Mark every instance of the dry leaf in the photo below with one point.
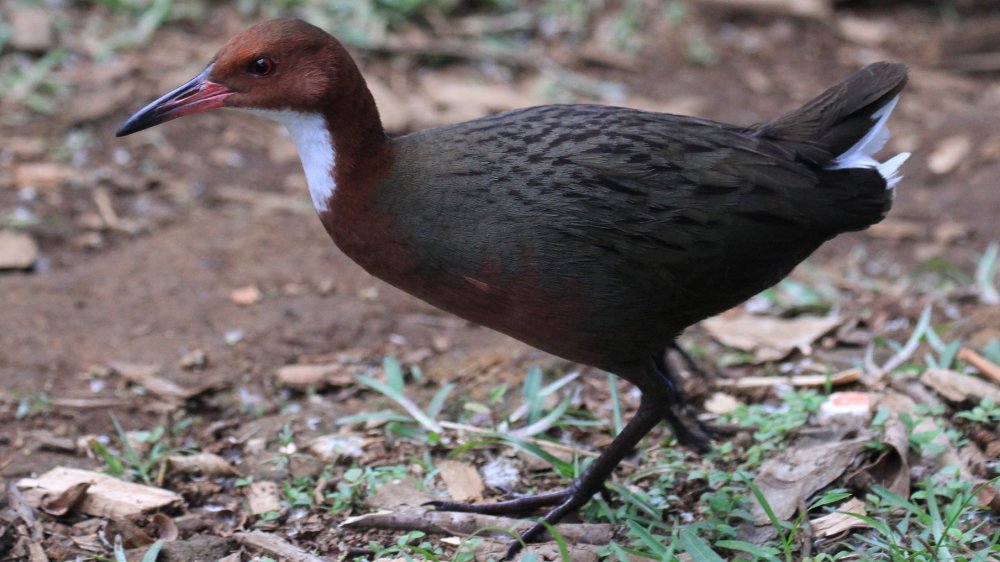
(333, 447)
(67, 501)
(148, 377)
(959, 387)
(163, 527)
(398, 493)
(835, 523)
(106, 497)
(303, 377)
(462, 480)
(788, 480)
(770, 339)
(263, 496)
(207, 464)
(891, 469)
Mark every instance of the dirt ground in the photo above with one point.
(142, 240)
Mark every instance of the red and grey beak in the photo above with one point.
(199, 94)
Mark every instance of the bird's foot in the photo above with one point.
(688, 429)
(565, 502)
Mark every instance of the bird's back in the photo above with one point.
(599, 233)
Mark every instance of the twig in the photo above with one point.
(455, 523)
(836, 379)
(815, 9)
(276, 546)
(982, 364)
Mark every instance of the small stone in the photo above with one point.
(245, 296)
(17, 250)
(42, 175)
(949, 154)
(194, 359)
(846, 405)
(721, 403)
(31, 29)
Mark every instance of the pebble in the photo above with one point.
(948, 154)
(17, 250)
(31, 29)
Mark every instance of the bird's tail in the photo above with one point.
(842, 128)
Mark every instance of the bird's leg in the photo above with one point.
(582, 488)
(688, 429)
(689, 360)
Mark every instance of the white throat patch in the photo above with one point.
(311, 135)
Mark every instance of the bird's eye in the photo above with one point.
(261, 67)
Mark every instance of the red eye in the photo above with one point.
(261, 67)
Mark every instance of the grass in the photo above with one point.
(674, 504)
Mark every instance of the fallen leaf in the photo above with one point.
(462, 480)
(398, 493)
(770, 339)
(106, 497)
(66, 501)
(959, 387)
(835, 523)
(303, 377)
(163, 527)
(788, 480)
(334, 447)
(263, 496)
(148, 377)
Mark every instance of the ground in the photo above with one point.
(190, 254)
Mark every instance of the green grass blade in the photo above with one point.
(403, 401)
(654, 544)
(437, 403)
(393, 374)
(697, 547)
(758, 552)
(153, 552)
(616, 405)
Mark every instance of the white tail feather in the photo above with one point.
(861, 155)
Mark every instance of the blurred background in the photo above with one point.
(192, 249)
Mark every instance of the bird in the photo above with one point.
(594, 233)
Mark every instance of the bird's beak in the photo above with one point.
(198, 94)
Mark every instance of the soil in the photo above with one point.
(210, 204)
